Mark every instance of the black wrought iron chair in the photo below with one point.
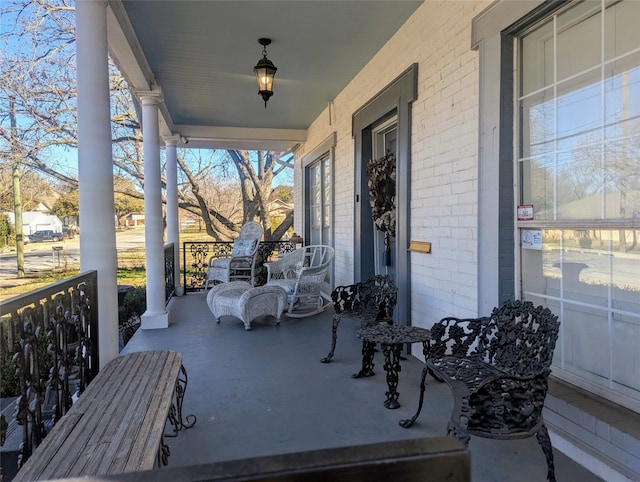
(497, 368)
(371, 301)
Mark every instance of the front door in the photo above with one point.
(384, 138)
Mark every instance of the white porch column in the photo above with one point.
(173, 223)
(95, 170)
(156, 315)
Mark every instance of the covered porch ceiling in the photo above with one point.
(200, 56)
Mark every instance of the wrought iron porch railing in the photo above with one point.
(169, 271)
(195, 259)
(51, 335)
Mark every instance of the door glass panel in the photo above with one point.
(319, 201)
(538, 71)
(384, 140)
(622, 34)
(579, 116)
(537, 115)
(578, 35)
(538, 185)
(326, 202)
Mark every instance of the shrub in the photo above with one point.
(135, 304)
(585, 242)
(6, 231)
(10, 386)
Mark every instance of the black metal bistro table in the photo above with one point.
(391, 338)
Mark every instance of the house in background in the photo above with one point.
(279, 210)
(33, 221)
(134, 219)
(41, 207)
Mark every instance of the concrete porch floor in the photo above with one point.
(265, 392)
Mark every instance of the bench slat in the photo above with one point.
(121, 424)
(116, 425)
(56, 444)
(145, 448)
(67, 424)
(116, 387)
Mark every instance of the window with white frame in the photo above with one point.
(319, 201)
(578, 166)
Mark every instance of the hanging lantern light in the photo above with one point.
(265, 72)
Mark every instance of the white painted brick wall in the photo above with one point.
(444, 149)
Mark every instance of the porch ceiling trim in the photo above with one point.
(127, 54)
(219, 137)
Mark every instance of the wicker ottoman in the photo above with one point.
(240, 299)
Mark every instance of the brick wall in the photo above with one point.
(444, 149)
(444, 208)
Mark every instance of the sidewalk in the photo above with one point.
(13, 281)
(38, 261)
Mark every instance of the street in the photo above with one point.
(599, 268)
(41, 256)
(50, 256)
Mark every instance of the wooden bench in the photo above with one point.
(118, 423)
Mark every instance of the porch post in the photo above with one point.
(95, 170)
(156, 315)
(173, 223)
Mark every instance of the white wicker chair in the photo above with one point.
(302, 275)
(241, 265)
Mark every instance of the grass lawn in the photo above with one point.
(131, 269)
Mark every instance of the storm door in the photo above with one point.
(381, 172)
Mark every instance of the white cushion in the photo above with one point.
(288, 285)
(221, 263)
(243, 247)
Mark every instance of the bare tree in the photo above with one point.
(40, 75)
(34, 188)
